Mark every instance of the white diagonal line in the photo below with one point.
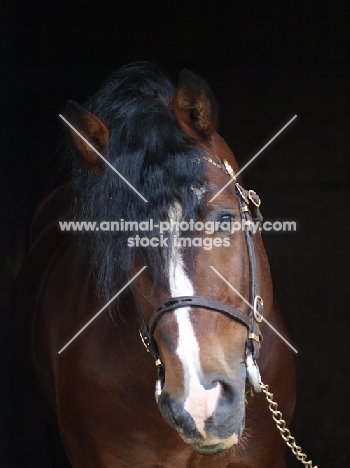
(255, 156)
(104, 159)
(252, 307)
(103, 308)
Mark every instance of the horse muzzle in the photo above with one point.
(210, 420)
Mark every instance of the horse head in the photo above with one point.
(200, 346)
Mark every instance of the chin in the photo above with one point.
(210, 449)
(214, 447)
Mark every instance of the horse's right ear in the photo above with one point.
(92, 129)
(194, 106)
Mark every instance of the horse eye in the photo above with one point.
(226, 218)
(226, 222)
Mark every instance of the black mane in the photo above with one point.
(150, 150)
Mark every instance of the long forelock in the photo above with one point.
(154, 155)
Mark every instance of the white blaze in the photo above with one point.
(200, 403)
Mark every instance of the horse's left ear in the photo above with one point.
(92, 129)
(194, 106)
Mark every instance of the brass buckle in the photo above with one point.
(253, 336)
(251, 194)
(258, 317)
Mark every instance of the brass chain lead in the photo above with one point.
(285, 432)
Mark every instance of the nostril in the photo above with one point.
(228, 404)
(228, 394)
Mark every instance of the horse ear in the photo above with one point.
(92, 129)
(194, 105)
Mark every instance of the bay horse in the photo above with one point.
(205, 340)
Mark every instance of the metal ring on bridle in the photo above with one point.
(251, 194)
(257, 315)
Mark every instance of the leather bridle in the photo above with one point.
(249, 203)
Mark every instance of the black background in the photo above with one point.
(264, 63)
